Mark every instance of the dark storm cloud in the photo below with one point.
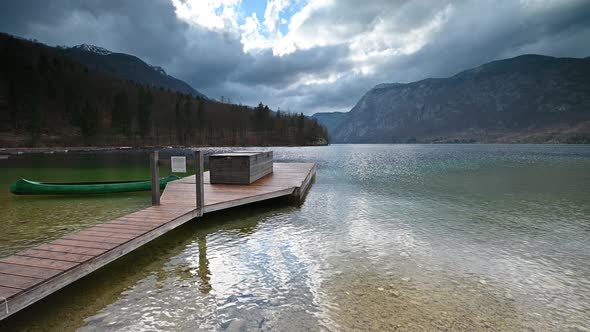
(208, 59)
(148, 31)
(480, 34)
(274, 71)
(468, 34)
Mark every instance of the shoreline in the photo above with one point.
(51, 150)
(7, 152)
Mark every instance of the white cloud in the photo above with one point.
(211, 14)
(272, 13)
(251, 37)
(225, 16)
(311, 79)
(256, 36)
(297, 38)
(371, 48)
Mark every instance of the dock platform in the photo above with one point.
(30, 275)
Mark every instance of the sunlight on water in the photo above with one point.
(407, 237)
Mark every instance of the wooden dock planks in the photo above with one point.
(35, 273)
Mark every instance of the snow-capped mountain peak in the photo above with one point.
(93, 49)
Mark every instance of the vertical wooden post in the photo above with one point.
(199, 182)
(155, 173)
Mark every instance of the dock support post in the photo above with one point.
(155, 173)
(199, 182)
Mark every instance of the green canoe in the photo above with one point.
(24, 187)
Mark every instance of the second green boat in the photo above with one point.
(28, 187)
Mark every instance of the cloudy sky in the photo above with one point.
(307, 55)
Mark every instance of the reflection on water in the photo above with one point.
(391, 237)
(204, 272)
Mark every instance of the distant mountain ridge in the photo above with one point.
(529, 98)
(126, 67)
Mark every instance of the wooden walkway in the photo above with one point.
(35, 273)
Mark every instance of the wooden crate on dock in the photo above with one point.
(239, 167)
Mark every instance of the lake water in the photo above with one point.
(406, 237)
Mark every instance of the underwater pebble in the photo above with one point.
(236, 325)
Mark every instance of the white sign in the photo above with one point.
(178, 164)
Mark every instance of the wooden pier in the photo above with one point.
(35, 273)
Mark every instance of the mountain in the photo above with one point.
(529, 98)
(49, 99)
(126, 67)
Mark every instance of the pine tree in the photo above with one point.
(179, 119)
(144, 111)
(88, 121)
(120, 115)
(188, 127)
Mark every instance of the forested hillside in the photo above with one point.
(47, 99)
(126, 67)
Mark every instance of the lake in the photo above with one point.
(406, 237)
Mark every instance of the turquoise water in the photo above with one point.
(407, 237)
